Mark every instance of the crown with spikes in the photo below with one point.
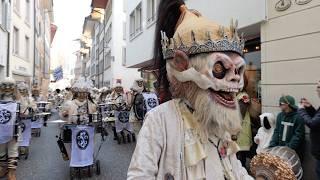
(195, 34)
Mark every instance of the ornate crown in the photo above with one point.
(196, 34)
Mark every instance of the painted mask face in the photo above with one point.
(7, 88)
(221, 74)
(82, 96)
(140, 83)
(23, 92)
(119, 90)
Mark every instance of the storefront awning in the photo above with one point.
(99, 3)
(146, 66)
(53, 29)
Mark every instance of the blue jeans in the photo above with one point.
(318, 169)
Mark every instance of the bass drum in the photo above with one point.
(277, 163)
(139, 108)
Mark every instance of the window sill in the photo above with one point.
(16, 11)
(135, 35)
(20, 57)
(27, 23)
(151, 23)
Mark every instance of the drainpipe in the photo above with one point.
(34, 41)
(8, 49)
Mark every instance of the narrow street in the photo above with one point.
(45, 161)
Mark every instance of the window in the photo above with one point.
(139, 19)
(27, 11)
(136, 21)
(2, 11)
(15, 47)
(16, 4)
(109, 33)
(151, 14)
(124, 53)
(27, 49)
(107, 58)
(132, 24)
(124, 31)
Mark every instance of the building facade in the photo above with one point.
(106, 61)
(42, 39)
(5, 18)
(21, 41)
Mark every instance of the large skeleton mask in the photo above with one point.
(219, 73)
(205, 66)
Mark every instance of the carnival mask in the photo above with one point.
(7, 87)
(82, 96)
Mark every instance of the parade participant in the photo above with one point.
(104, 92)
(190, 136)
(311, 117)
(289, 129)
(245, 137)
(36, 94)
(9, 149)
(82, 104)
(265, 132)
(27, 107)
(136, 89)
(123, 131)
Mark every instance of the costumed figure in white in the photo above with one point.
(265, 132)
(8, 145)
(27, 109)
(78, 110)
(193, 135)
(140, 102)
(38, 120)
(123, 131)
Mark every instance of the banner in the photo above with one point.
(58, 73)
(26, 132)
(151, 100)
(7, 121)
(122, 121)
(82, 146)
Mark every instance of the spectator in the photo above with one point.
(265, 132)
(311, 117)
(289, 129)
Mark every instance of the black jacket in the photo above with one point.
(311, 118)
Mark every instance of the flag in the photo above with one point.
(58, 73)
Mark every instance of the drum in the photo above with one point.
(144, 102)
(278, 163)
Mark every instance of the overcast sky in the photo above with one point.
(69, 17)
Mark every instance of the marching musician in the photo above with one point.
(82, 103)
(27, 106)
(8, 150)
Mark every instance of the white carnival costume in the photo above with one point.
(265, 132)
(191, 137)
(8, 141)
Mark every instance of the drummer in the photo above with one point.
(82, 104)
(104, 92)
(27, 107)
(8, 147)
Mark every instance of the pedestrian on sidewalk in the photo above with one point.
(289, 129)
(311, 117)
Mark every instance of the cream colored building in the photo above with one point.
(290, 58)
(290, 49)
(21, 40)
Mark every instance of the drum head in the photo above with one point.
(277, 163)
(139, 106)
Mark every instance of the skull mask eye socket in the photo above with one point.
(219, 71)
